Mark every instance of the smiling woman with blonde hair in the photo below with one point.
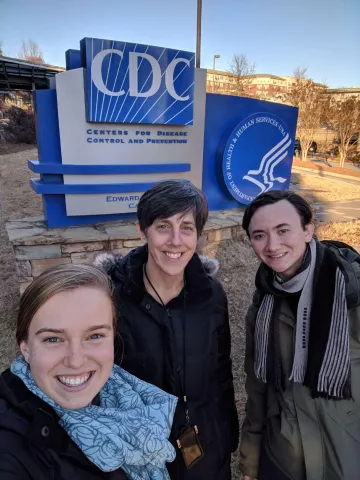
(66, 411)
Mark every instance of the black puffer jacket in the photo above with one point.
(153, 351)
(33, 446)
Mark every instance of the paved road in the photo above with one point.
(338, 211)
(333, 163)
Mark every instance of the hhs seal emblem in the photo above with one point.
(258, 157)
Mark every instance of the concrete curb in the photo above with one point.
(326, 174)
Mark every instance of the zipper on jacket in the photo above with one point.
(177, 366)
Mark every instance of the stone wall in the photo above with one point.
(37, 248)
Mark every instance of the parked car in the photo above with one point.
(353, 140)
(354, 158)
(297, 147)
(313, 147)
(353, 144)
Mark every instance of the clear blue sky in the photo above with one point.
(278, 35)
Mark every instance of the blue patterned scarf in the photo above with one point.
(130, 429)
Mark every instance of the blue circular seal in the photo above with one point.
(258, 157)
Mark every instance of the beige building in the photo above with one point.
(341, 93)
(261, 85)
(272, 88)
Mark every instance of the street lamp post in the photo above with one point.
(198, 33)
(215, 57)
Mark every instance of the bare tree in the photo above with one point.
(31, 52)
(313, 105)
(345, 121)
(242, 70)
(1, 49)
(300, 72)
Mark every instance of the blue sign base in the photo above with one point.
(226, 119)
(223, 114)
(51, 184)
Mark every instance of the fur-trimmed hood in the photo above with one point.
(107, 261)
(127, 274)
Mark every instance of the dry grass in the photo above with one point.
(17, 200)
(348, 232)
(238, 263)
(321, 189)
(237, 273)
(8, 148)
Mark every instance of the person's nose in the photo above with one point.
(272, 243)
(175, 239)
(75, 356)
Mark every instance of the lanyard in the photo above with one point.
(181, 378)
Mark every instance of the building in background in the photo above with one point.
(341, 93)
(261, 85)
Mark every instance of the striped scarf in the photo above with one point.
(332, 361)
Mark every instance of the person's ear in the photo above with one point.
(24, 349)
(309, 232)
(141, 233)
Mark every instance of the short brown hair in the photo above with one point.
(170, 197)
(55, 280)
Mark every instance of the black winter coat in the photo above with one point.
(153, 350)
(33, 446)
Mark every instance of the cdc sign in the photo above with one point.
(132, 83)
(124, 116)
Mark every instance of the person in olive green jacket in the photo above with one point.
(302, 349)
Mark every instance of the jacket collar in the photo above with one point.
(32, 418)
(129, 272)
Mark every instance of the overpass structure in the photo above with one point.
(17, 74)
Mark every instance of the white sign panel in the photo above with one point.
(84, 143)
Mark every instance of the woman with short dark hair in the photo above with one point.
(173, 318)
(66, 412)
